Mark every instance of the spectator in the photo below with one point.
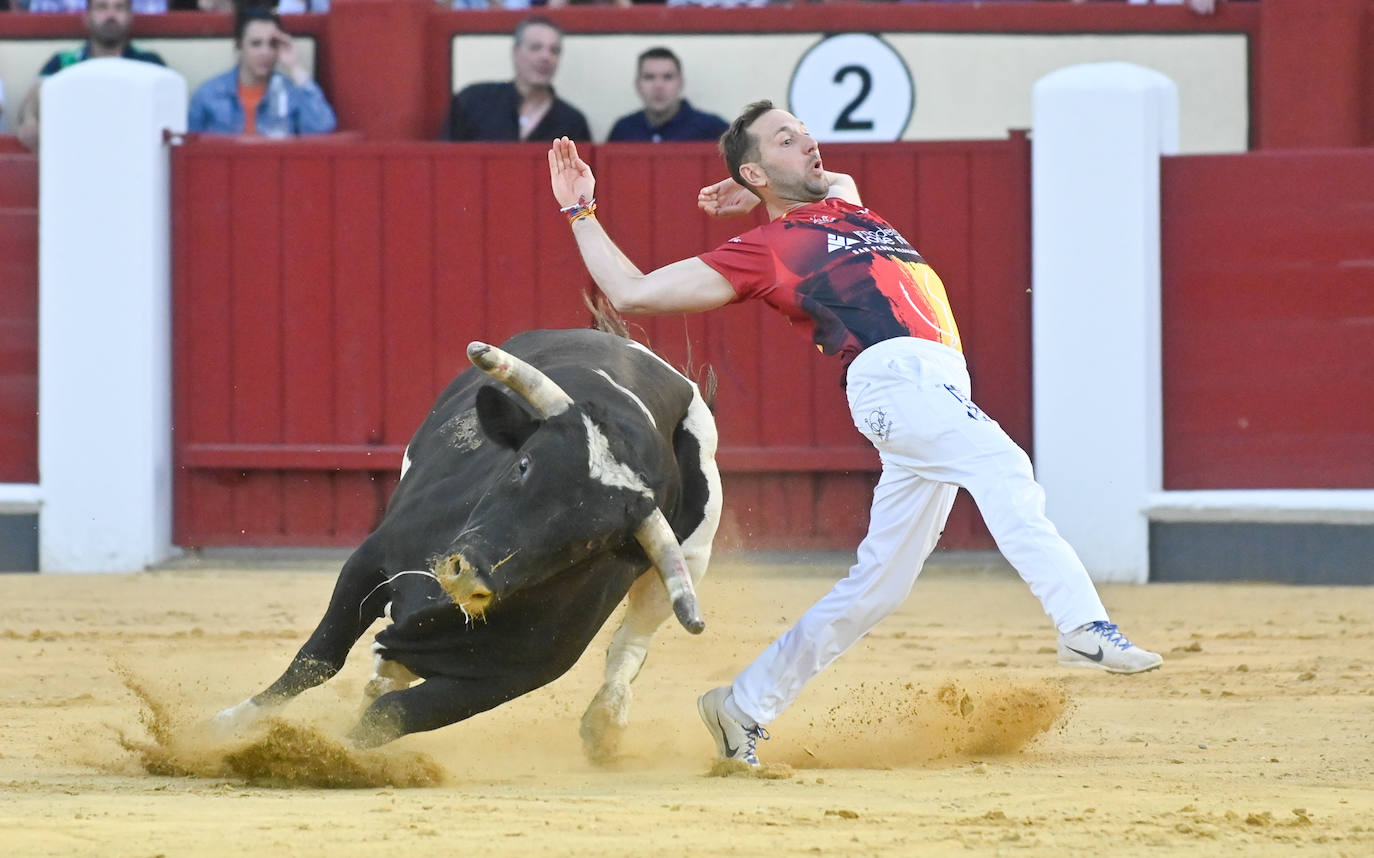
(269, 92)
(139, 7)
(1201, 7)
(525, 108)
(293, 7)
(108, 25)
(666, 116)
(484, 4)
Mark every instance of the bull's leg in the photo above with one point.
(358, 600)
(387, 676)
(436, 702)
(608, 714)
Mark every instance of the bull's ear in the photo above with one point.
(502, 419)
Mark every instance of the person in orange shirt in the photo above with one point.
(269, 93)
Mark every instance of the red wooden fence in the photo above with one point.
(18, 316)
(324, 293)
(1269, 320)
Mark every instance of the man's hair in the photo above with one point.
(535, 20)
(738, 145)
(659, 53)
(250, 12)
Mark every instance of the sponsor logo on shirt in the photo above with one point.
(838, 242)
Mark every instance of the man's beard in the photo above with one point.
(110, 35)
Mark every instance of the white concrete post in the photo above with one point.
(104, 333)
(1099, 131)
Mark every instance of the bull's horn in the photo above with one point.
(657, 538)
(538, 389)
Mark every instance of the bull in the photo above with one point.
(526, 512)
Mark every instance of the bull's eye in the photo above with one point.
(523, 465)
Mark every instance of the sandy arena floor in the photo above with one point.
(949, 731)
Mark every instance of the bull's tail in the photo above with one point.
(605, 317)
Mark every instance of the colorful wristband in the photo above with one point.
(580, 209)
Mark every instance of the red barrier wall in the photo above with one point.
(324, 293)
(18, 317)
(1268, 315)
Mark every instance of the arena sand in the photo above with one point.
(950, 730)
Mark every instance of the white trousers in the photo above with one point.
(910, 397)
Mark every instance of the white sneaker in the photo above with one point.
(734, 741)
(1101, 645)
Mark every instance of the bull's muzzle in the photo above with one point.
(464, 586)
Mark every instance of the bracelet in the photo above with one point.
(580, 209)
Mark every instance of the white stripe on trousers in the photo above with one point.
(910, 397)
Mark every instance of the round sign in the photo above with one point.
(852, 88)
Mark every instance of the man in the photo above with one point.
(108, 24)
(525, 108)
(832, 265)
(140, 7)
(254, 97)
(666, 116)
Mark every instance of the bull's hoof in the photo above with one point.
(236, 718)
(604, 724)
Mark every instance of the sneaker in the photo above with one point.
(1101, 645)
(734, 741)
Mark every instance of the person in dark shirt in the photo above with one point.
(108, 25)
(525, 108)
(667, 116)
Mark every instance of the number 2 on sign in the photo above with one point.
(846, 121)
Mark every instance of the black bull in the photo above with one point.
(519, 524)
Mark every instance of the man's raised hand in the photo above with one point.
(726, 198)
(571, 178)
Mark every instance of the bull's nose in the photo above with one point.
(464, 585)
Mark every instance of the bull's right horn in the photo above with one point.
(656, 537)
(537, 388)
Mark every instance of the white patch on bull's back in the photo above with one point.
(630, 393)
(650, 352)
(405, 461)
(604, 467)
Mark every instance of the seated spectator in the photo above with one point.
(666, 116)
(269, 92)
(525, 108)
(139, 7)
(486, 4)
(296, 7)
(1201, 7)
(108, 25)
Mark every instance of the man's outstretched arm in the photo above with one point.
(687, 286)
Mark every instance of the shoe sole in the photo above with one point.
(1093, 665)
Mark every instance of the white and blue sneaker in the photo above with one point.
(1101, 645)
(734, 741)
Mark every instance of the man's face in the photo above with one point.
(258, 50)
(659, 85)
(789, 156)
(535, 56)
(108, 22)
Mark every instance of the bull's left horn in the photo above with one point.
(656, 536)
(538, 389)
